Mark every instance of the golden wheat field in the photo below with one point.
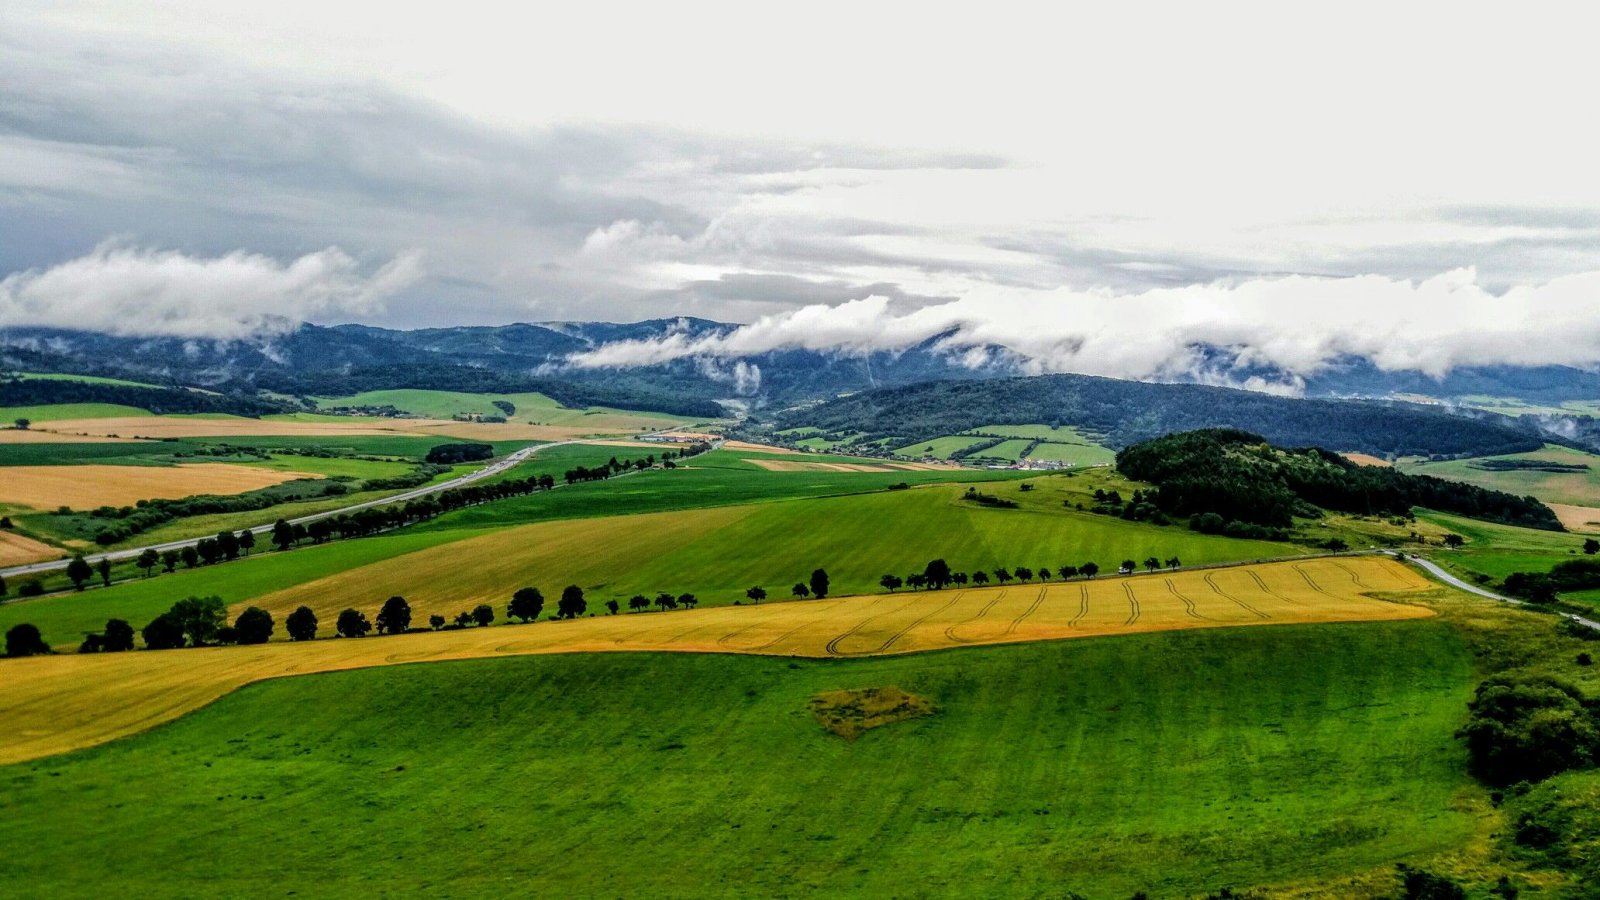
(32, 436)
(59, 703)
(90, 486)
(17, 550)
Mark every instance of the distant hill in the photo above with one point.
(1125, 412)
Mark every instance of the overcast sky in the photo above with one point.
(1097, 190)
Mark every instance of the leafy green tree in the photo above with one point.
(916, 581)
(1044, 574)
(483, 614)
(282, 534)
(1591, 546)
(254, 626)
(1127, 566)
(148, 560)
(1527, 728)
(937, 573)
(103, 568)
(1022, 573)
(301, 624)
(688, 601)
(228, 544)
(24, 640)
(800, 590)
(980, 577)
(22, 423)
(463, 619)
(819, 583)
(1089, 570)
(638, 602)
(756, 594)
(1152, 563)
(395, 617)
(79, 572)
(1174, 562)
(190, 556)
(890, 582)
(169, 560)
(2, 587)
(526, 604)
(1453, 541)
(665, 602)
(352, 623)
(436, 621)
(200, 618)
(164, 632)
(572, 604)
(612, 606)
(1002, 576)
(247, 541)
(118, 637)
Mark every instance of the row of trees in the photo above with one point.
(937, 574)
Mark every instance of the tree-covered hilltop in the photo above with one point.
(160, 400)
(1126, 412)
(1239, 476)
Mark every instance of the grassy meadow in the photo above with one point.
(1174, 763)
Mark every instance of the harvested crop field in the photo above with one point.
(1577, 518)
(90, 486)
(17, 550)
(1367, 459)
(189, 426)
(60, 703)
(32, 436)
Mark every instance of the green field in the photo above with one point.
(87, 379)
(533, 408)
(1170, 763)
(132, 453)
(58, 411)
(1576, 488)
(1064, 434)
(939, 447)
(1011, 450)
(1074, 454)
(327, 466)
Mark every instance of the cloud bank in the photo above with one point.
(131, 291)
(1296, 325)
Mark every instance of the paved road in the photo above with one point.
(1439, 573)
(493, 468)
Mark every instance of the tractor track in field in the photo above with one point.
(1353, 576)
(725, 639)
(915, 622)
(1210, 579)
(950, 632)
(832, 647)
(1269, 591)
(1301, 571)
(1189, 608)
(1012, 628)
(1083, 606)
(1133, 603)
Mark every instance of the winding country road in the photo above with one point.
(1437, 572)
(494, 468)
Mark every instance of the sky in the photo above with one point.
(1098, 188)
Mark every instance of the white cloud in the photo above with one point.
(1296, 324)
(128, 290)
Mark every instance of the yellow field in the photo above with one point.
(1367, 459)
(16, 550)
(802, 465)
(185, 427)
(39, 436)
(55, 704)
(1577, 518)
(90, 486)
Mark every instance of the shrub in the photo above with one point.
(1528, 728)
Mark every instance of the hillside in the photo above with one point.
(1125, 412)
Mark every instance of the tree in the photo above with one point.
(483, 614)
(980, 577)
(228, 544)
(1067, 572)
(301, 624)
(1044, 574)
(436, 621)
(572, 604)
(819, 583)
(1002, 576)
(200, 618)
(937, 573)
(191, 556)
(638, 602)
(463, 619)
(169, 560)
(282, 534)
(163, 633)
(25, 640)
(1528, 727)
(1151, 563)
(916, 581)
(800, 590)
(1174, 562)
(2, 588)
(526, 604)
(247, 541)
(254, 626)
(959, 577)
(1089, 570)
(1336, 545)
(890, 582)
(756, 594)
(118, 637)
(148, 560)
(22, 423)
(612, 606)
(666, 601)
(1127, 566)
(352, 623)
(78, 570)
(688, 601)
(1023, 573)
(103, 567)
(1591, 546)
(395, 617)
(1453, 541)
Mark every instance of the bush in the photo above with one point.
(1528, 728)
(450, 454)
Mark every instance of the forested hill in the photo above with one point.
(1126, 412)
(1234, 476)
